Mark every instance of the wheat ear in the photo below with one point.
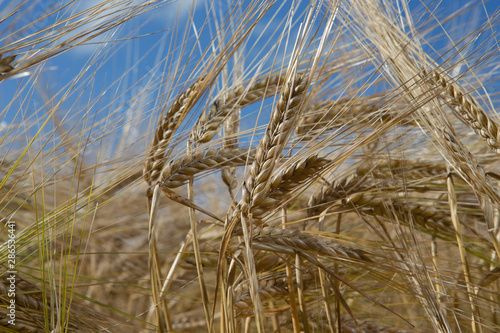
(323, 114)
(467, 109)
(280, 127)
(241, 96)
(410, 170)
(287, 180)
(468, 166)
(291, 241)
(178, 172)
(270, 287)
(166, 129)
(355, 192)
(283, 120)
(259, 182)
(374, 204)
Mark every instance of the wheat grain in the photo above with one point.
(27, 295)
(5, 63)
(282, 122)
(166, 129)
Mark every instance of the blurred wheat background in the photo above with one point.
(250, 166)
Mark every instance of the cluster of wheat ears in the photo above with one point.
(304, 166)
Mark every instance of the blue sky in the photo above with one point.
(130, 61)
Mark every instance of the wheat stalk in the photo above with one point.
(231, 130)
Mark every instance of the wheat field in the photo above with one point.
(250, 166)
